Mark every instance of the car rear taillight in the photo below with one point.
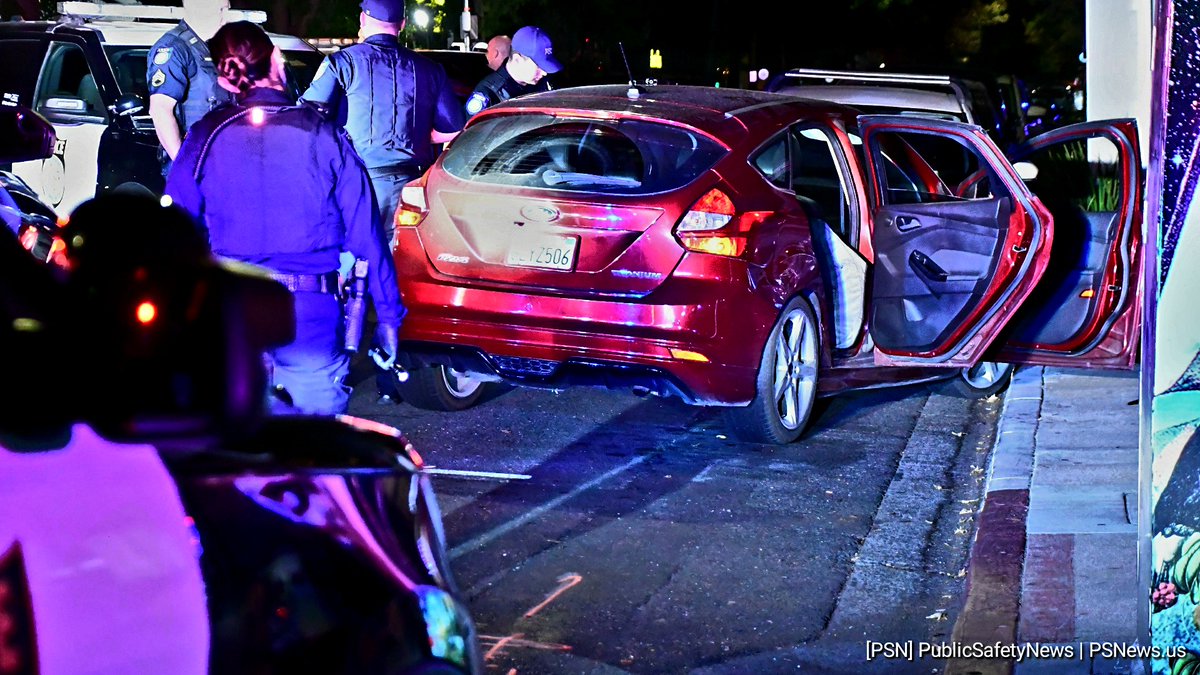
(712, 226)
(413, 206)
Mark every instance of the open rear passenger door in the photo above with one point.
(1086, 311)
(960, 242)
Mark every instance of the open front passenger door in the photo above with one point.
(960, 242)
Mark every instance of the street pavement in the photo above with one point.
(1055, 557)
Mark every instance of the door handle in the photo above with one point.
(906, 223)
(926, 267)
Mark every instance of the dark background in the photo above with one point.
(711, 41)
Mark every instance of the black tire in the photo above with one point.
(441, 388)
(983, 379)
(779, 414)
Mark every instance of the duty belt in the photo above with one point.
(309, 283)
(411, 169)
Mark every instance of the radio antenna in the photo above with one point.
(633, 91)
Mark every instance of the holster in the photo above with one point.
(355, 306)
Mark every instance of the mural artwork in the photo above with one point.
(1175, 494)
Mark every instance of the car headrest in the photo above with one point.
(171, 341)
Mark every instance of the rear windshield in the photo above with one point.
(561, 153)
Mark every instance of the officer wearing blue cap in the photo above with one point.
(396, 104)
(524, 72)
(180, 75)
(278, 185)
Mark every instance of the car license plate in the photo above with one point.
(538, 249)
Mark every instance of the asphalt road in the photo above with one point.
(644, 540)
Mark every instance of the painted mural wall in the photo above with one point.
(1175, 362)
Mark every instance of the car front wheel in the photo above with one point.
(441, 388)
(787, 380)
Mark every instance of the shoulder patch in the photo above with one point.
(159, 79)
(162, 55)
(321, 69)
(477, 102)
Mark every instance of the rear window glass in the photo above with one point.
(604, 156)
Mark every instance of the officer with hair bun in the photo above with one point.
(276, 184)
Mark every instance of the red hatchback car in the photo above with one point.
(754, 251)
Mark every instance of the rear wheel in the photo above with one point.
(441, 388)
(984, 379)
(787, 380)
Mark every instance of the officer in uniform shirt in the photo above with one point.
(180, 75)
(531, 60)
(392, 100)
(276, 184)
(396, 104)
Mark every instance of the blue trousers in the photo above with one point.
(312, 369)
(387, 198)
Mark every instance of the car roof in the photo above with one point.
(723, 112)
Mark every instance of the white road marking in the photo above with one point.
(497, 532)
(463, 473)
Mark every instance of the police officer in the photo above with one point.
(278, 185)
(523, 72)
(498, 50)
(392, 99)
(180, 75)
(395, 104)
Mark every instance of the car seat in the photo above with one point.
(90, 93)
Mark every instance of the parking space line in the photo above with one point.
(497, 532)
(463, 473)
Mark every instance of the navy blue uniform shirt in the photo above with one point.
(179, 66)
(500, 86)
(278, 185)
(391, 99)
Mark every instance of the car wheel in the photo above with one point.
(983, 379)
(441, 388)
(787, 380)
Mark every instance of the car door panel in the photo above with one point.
(1087, 310)
(950, 271)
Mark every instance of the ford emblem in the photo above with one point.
(539, 214)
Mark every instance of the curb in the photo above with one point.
(993, 603)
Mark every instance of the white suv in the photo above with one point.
(86, 73)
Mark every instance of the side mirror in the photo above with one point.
(24, 135)
(128, 104)
(1026, 170)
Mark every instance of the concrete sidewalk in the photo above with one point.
(1055, 557)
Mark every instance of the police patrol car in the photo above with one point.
(86, 73)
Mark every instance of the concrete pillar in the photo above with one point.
(1120, 59)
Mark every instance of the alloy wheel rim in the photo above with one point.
(459, 384)
(985, 373)
(795, 369)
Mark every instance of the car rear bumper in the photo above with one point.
(706, 352)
